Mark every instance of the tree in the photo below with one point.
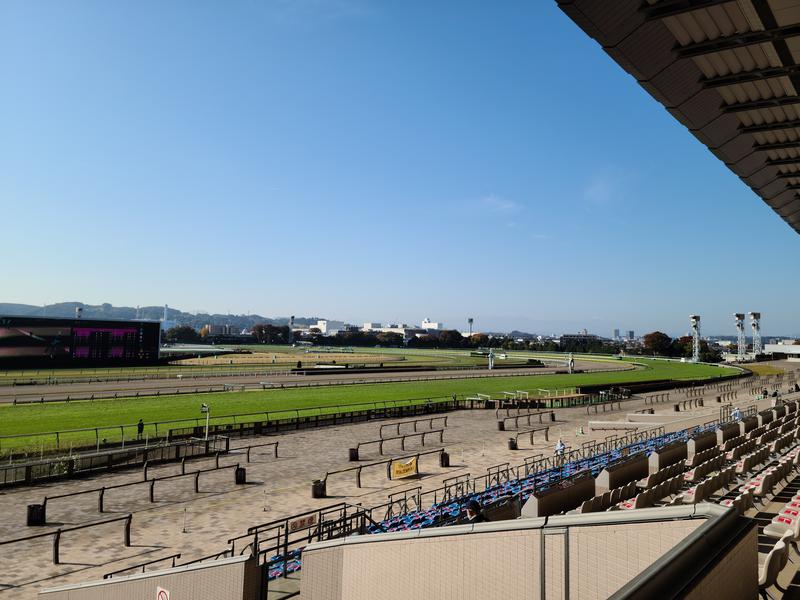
(389, 338)
(658, 343)
(450, 338)
(683, 346)
(265, 333)
(184, 334)
(478, 339)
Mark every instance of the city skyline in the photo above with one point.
(458, 323)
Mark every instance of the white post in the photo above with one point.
(208, 413)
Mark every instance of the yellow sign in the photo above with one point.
(404, 469)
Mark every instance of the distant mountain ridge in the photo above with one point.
(150, 313)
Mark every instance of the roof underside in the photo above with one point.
(729, 70)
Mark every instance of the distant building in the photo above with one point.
(327, 327)
(371, 326)
(784, 347)
(219, 330)
(631, 336)
(578, 338)
(616, 334)
(427, 324)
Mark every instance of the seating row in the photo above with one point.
(750, 461)
(709, 486)
(765, 480)
(702, 457)
(700, 471)
(652, 495)
(736, 452)
(729, 445)
(661, 475)
(608, 499)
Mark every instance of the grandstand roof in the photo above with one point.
(729, 70)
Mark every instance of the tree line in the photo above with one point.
(658, 343)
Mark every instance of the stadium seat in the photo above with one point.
(768, 574)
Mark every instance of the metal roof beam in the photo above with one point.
(766, 127)
(777, 162)
(671, 8)
(778, 146)
(749, 76)
(759, 104)
(738, 40)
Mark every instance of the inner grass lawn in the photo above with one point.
(35, 418)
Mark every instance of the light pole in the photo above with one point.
(205, 408)
(469, 322)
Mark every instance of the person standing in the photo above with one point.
(139, 429)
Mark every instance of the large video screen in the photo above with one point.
(65, 342)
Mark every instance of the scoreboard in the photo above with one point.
(39, 342)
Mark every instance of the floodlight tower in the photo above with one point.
(741, 341)
(470, 321)
(694, 321)
(291, 329)
(755, 322)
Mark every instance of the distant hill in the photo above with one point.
(152, 313)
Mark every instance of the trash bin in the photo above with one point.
(512, 444)
(240, 475)
(501, 426)
(36, 515)
(318, 488)
(444, 459)
(353, 454)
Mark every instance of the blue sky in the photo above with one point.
(365, 160)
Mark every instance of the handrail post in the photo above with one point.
(126, 532)
(100, 499)
(197, 482)
(56, 541)
(152, 490)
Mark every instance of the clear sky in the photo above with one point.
(365, 160)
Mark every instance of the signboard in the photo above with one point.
(404, 469)
(302, 523)
(162, 594)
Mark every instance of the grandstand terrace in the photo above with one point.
(518, 489)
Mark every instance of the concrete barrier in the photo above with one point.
(666, 456)
(558, 499)
(620, 473)
(747, 424)
(727, 432)
(701, 442)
